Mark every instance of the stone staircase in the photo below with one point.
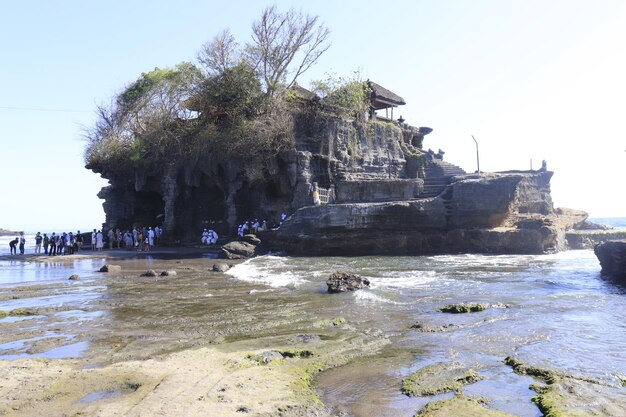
(438, 175)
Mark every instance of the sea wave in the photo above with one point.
(268, 270)
(405, 279)
(365, 296)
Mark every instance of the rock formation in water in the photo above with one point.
(377, 191)
(612, 257)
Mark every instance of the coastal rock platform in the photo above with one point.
(488, 213)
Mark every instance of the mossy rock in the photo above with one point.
(22, 312)
(74, 277)
(460, 406)
(3, 314)
(464, 308)
(546, 375)
(438, 378)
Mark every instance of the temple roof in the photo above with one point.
(383, 98)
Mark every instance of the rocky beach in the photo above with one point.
(265, 338)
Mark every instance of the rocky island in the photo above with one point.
(380, 191)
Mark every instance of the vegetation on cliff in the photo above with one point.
(237, 104)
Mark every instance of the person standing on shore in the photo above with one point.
(150, 237)
(46, 243)
(70, 244)
(99, 241)
(13, 246)
(53, 244)
(139, 242)
(61, 244)
(79, 241)
(157, 235)
(22, 243)
(38, 241)
(93, 240)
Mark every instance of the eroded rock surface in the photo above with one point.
(612, 257)
(341, 281)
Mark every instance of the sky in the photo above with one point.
(532, 80)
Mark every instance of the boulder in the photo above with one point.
(220, 267)
(168, 273)
(612, 257)
(149, 273)
(110, 268)
(238, 250)
(74, 277)
(252, 239)
(341, 281)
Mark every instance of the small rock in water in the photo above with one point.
(341, 281)
(168, 273)
(110, 268)
(463, 308)
(220, 267)
(149, 273)
(74, 277)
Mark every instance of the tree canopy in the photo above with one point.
(230, 105)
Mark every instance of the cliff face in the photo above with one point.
(364, 161)
(390, 197)
(492, 213)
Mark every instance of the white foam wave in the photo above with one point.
(267, 270)
(369, 297)
(407, 279)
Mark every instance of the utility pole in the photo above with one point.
(477, 158)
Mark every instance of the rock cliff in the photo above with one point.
(612, 257)
(488, 213)
(381, 194)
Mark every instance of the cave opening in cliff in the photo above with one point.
(149, 209)
(207, 204)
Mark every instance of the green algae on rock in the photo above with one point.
(460, 406)
(565, 395)
(438, 378)
(463, 308)
(21, 312)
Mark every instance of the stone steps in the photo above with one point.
(434, 186)
(439, 168)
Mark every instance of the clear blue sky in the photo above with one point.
(530, 79)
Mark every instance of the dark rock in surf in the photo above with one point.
(220, 267)
(149, 273)
(238, 250)
(341, 281)
(110, 268)
(612, 257)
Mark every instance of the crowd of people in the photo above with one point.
(253, 227)
(141, 239)
(138, 238)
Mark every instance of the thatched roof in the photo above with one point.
(383, 98)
